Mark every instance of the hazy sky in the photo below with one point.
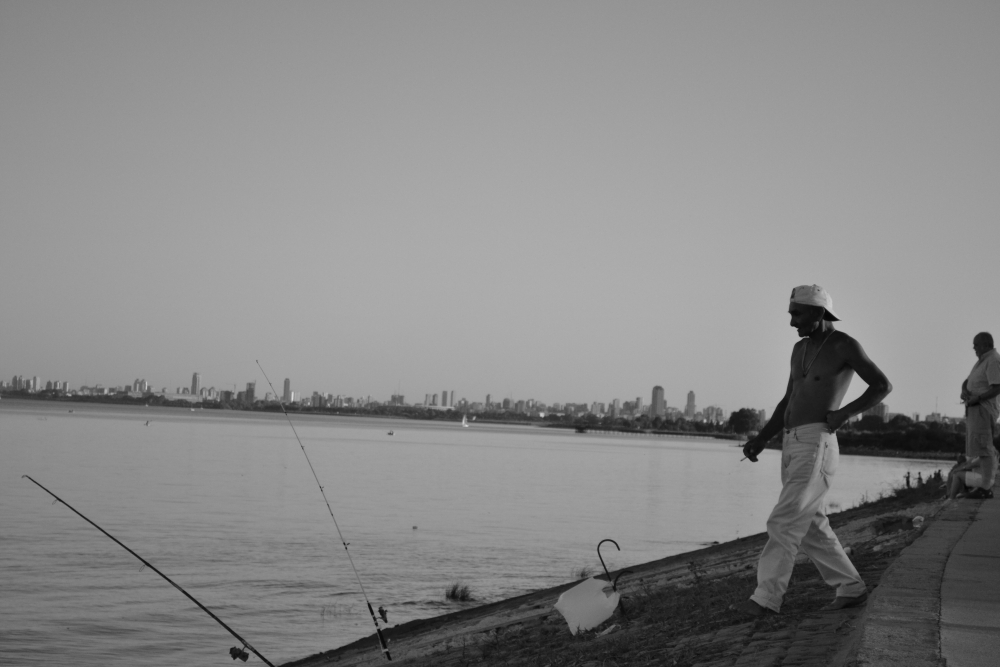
(566, 201)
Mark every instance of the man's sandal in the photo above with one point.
(846, 603)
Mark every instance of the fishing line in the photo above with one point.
(233, 652)
(378, 630)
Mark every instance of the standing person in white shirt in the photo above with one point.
(981, 395)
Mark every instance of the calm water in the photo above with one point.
(225, 505)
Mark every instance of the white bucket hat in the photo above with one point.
(814, 295)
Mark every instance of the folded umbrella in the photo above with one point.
(590, 603)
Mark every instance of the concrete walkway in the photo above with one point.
(939, 603)
(970, 593)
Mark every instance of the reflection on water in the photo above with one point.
(224, 504)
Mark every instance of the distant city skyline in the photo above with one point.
(658, 406)
(614, 408)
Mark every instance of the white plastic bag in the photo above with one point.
(588, 604)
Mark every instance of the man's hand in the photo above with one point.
(835, 419)
(752, 449)
(968, 465)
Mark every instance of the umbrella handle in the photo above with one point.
(614, 584)
(608, 574)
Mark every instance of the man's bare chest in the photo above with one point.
(814, 365)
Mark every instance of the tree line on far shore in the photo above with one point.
(870, 433)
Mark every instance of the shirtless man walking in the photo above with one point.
(822, 366)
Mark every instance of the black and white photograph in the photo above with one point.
(524, 334)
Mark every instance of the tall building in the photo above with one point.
(196, 384)
(286, 397)
(451, 398)
(638, 405)
(690, 408)
(249, 395)
(659, 406)
(489, 402)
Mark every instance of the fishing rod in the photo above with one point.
(233, 652)
(378, 629)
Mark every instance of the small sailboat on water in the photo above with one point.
(465, 421)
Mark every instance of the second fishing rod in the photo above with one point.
(383, 645)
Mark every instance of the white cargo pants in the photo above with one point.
(809, 458)
(979, 425)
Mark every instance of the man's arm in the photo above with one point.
(994, 390)
(756, 444)
(878, 385)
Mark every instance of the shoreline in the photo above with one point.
(681, 605)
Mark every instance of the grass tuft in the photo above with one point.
(458, 592)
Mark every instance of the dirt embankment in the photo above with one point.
(675, 611)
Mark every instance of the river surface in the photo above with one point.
(225, 505)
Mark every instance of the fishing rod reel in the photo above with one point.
(237, 652)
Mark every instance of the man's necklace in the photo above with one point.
(805, 353)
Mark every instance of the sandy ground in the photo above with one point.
(675, 611)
